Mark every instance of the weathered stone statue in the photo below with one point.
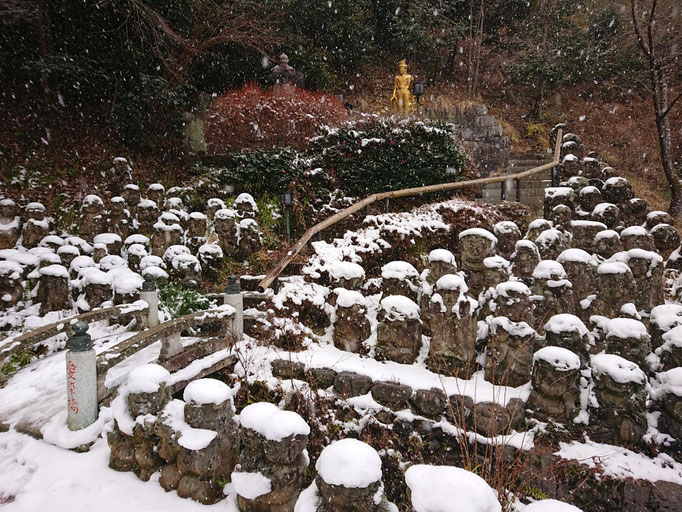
(509, 354)
(402, 99)
(452, 317)
(554, 394)
(399, 330)
(10, 224)
(351, 326)
(619, 413)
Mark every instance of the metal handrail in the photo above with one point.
(298, 246)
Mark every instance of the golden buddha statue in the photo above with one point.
(402, 99)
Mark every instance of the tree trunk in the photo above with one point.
(659, 96)
(42, 22)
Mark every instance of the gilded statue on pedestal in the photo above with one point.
(402, 98)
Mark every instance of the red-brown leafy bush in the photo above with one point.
(251, 117)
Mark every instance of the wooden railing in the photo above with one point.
(298, 246)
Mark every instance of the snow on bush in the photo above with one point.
(251, 117)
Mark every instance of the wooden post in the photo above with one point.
(518, 190)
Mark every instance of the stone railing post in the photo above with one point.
(234, 298)
(150, 294)
(81, 379)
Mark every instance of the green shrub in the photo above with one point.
(376, 154)
(273, 171)
(176, 301)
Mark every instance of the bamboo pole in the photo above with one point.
(441, 187)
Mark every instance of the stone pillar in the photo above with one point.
(588, 198)
(551, 243)
(554, 384)
(555, 196)
(553, 292)
(36, 227)
(150, 294)
(133, 442)
(663, 319)
(608, 214)
(607, 243)
(581, 271)
(211, 258)
(11, 289)
(197, 465)
(349, 478)
(524, 260)
(81, 379)
(233, 297)
(584, 232)
(272, 462)
(668, 398)
(347, 275)
(224, 223)
(636, 237)
(10, 224)
(647, 271)
(156, 192)
(250, 241)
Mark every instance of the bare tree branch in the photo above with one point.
(227, 22)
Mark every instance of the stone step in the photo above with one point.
(525, 185)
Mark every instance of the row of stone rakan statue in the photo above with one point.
(197, 444)
(575, 306)
(135, 236)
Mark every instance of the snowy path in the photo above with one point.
(37, 393)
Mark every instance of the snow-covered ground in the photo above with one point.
(35, 476)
